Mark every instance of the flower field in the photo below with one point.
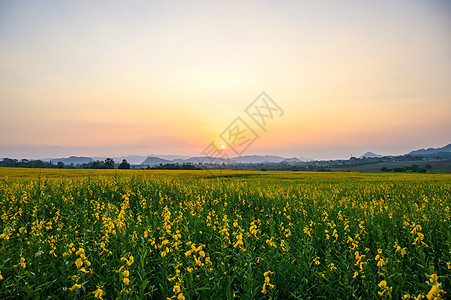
(216, 235)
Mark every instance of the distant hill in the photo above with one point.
(154, 161)
(447, 148)
(292, 160)
(254, 159)
(370, 155)
(247, 159)
(131, 159)
(202, 160)
(139, 159)
(76, 160)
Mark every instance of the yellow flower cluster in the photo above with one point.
(82, 260)
(403, 251)
(267, 283)
(385, 289)
(436, 291)
(419, 240)
(379, 259)
(98, 293)
(359, 263)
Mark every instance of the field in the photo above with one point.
(217, 235)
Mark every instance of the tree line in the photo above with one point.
(25, 163)
(413, 168)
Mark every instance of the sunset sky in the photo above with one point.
(111, 78)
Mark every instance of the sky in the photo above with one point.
(111, 78)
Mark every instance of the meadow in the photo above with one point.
(221, 235)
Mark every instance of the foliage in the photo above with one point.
(176, 167)
(412, 168)
(25, 163)
(124, 165)
(107, 164)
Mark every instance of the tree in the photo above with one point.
(60, 165)
(95, 165)
(124, 165)
(109, 163)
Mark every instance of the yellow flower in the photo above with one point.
(176, 289)
(434, 279)
(267, 280)
(131, 260)
(180, 297)
(403, 252)
(75, 286)
(98, 293)
(332, 266)
(126, 281)
(1, 277)
(79, 262)
(198, 261)
(355, 274)
(380, 263)
(384, 287)
(435, 291)
(22, 262)
(126, 273)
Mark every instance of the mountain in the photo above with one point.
(247, 159)
(255, 159)
(131, 159)
(76, 160)
(139, 159)
(292, 160)
(154, 161)
(203, 160)
(446, 148)
(370, 155)
(171, 157)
